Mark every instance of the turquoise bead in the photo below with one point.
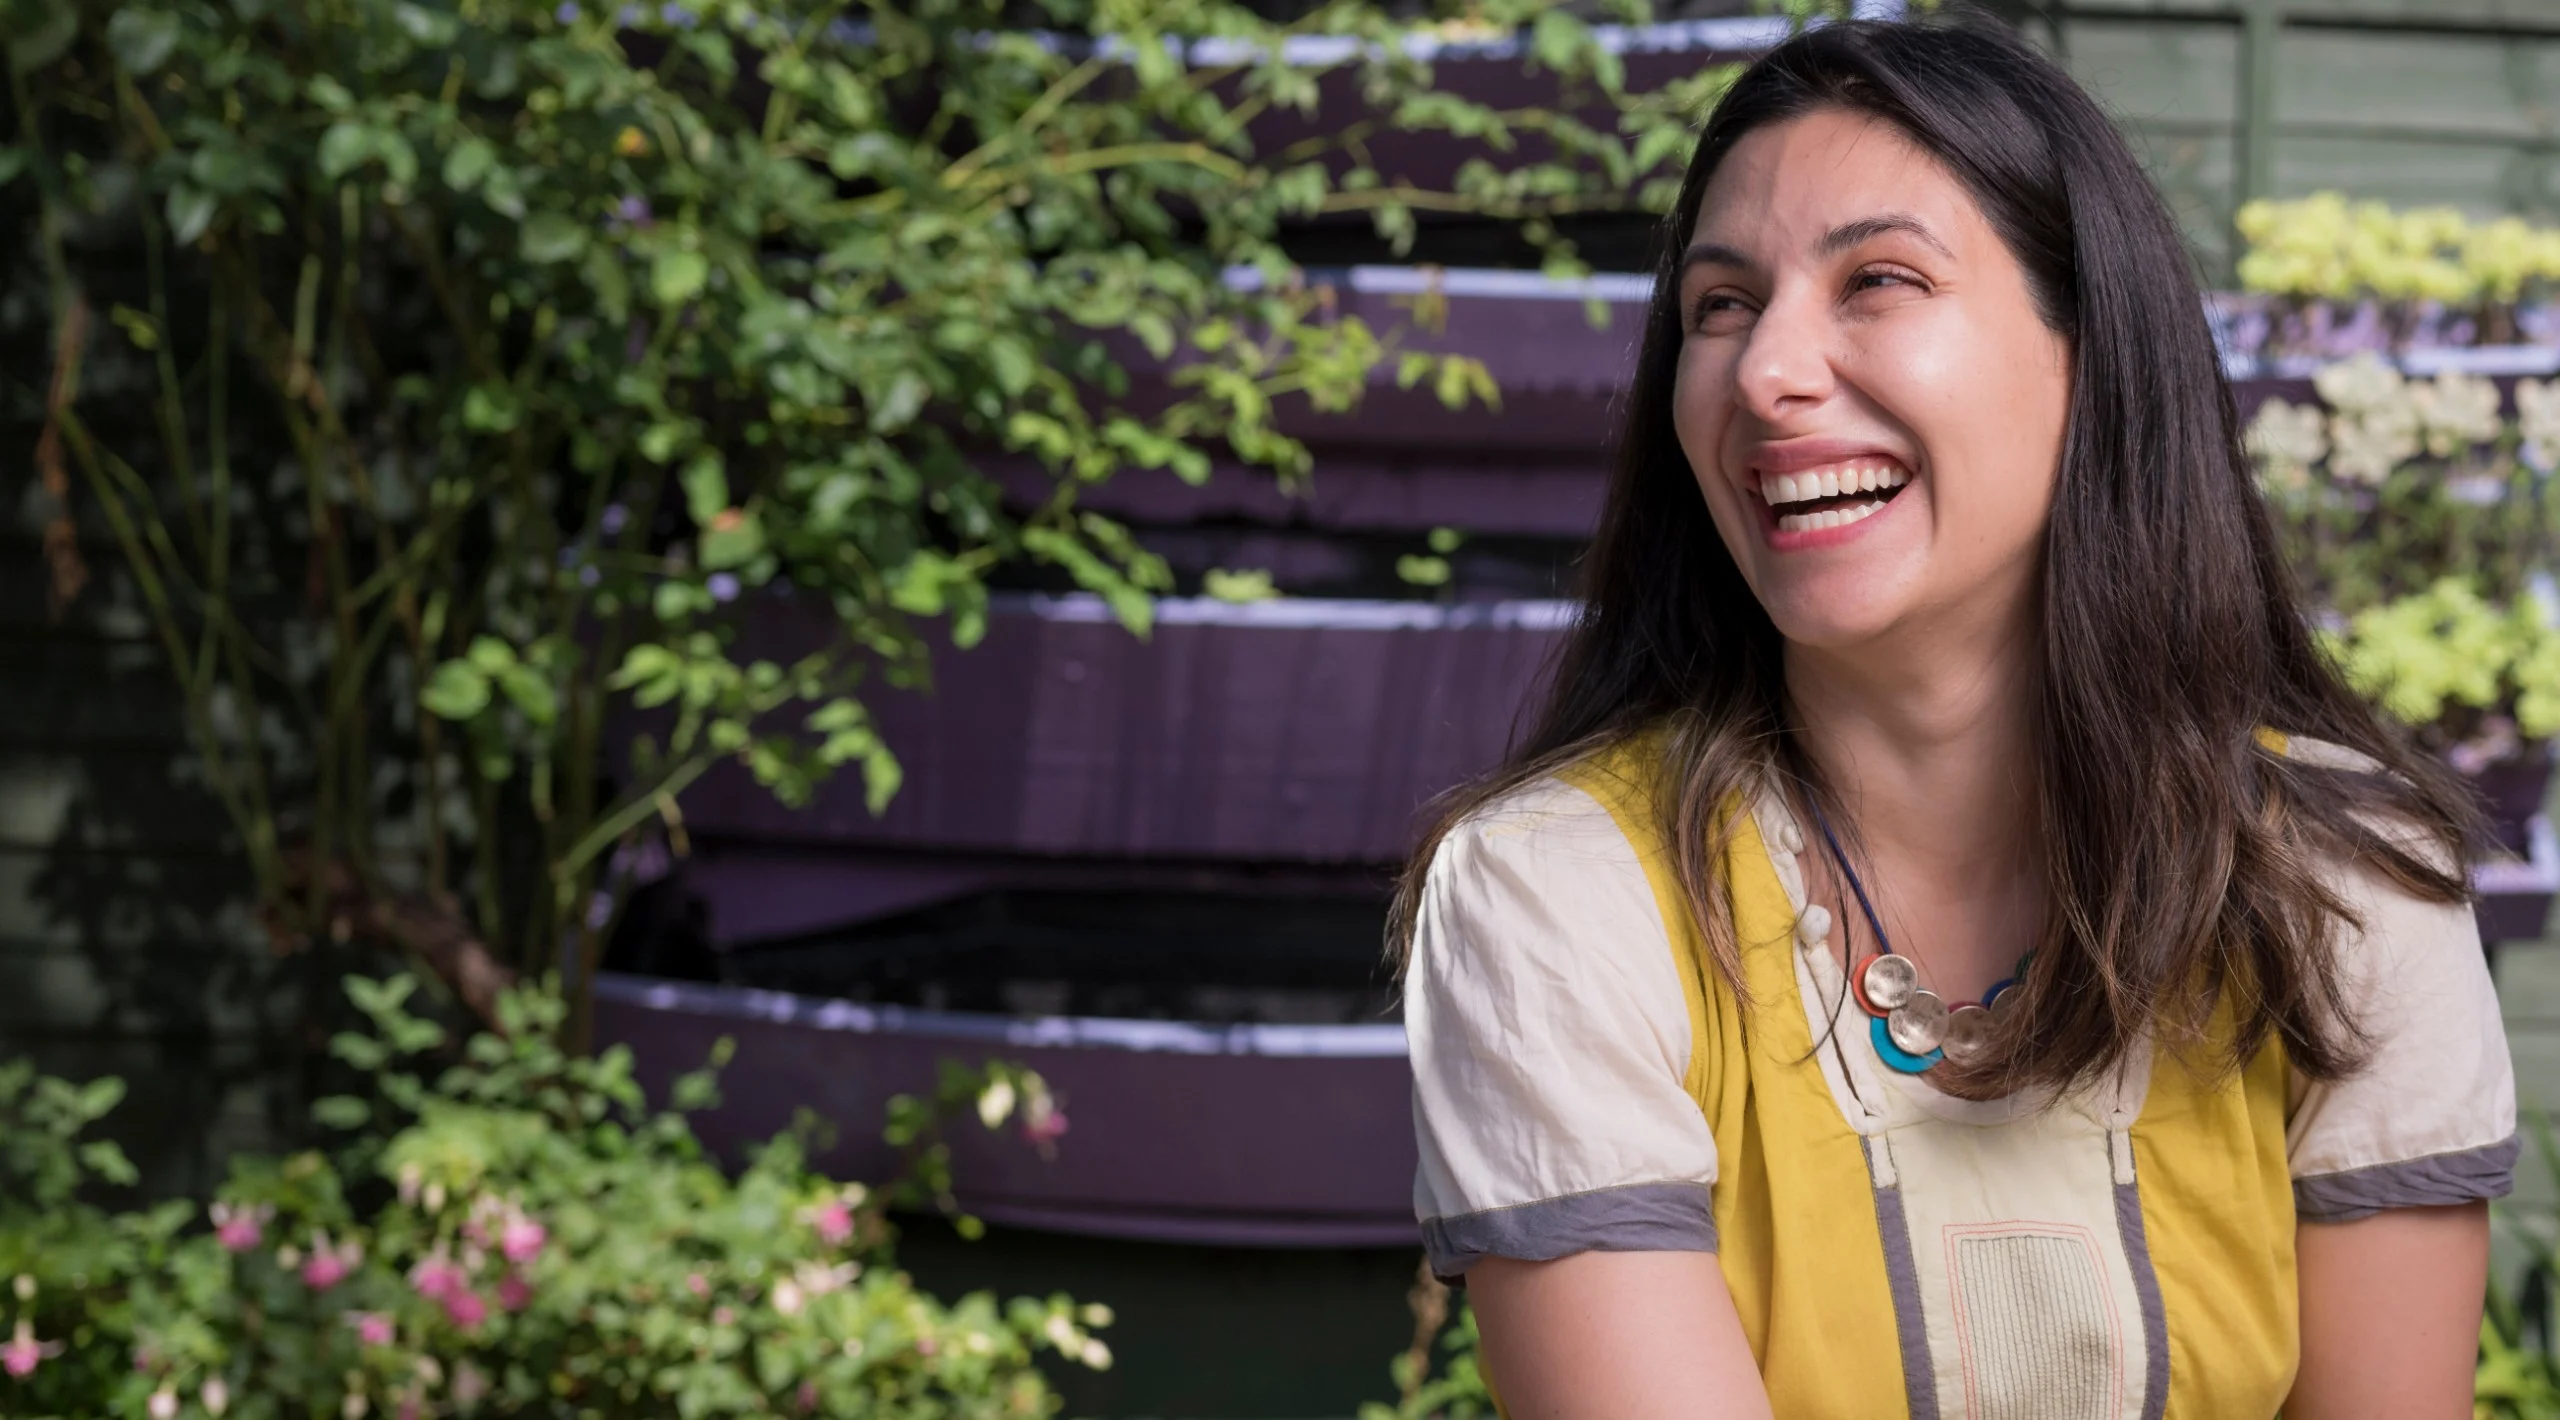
(1894, 1055)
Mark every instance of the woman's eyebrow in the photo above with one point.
(1835, 241)
(1849, 234)
(1715, 254)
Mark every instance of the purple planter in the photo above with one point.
(1291, 1136)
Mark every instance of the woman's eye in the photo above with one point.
(1876, 280)
(1717, 309)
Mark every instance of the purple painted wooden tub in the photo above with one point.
(1241, 1135)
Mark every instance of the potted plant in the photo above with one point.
(2420, 515)
(2323, 278)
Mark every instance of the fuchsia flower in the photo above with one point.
(1043, 1126)
(834, 1222)
(22, 1353)
(329, 1265)
(514, 1293)
(465, 1309)
(240, 1228)
(372, 1328)
(522, 1239)
(438, 1277)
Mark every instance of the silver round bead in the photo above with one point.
(1968, 1035)
(1889, 980)
(1918, 1025)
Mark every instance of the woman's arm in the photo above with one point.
(1615, 1336)
(2391, 1314)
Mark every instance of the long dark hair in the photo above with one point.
(2185, 861)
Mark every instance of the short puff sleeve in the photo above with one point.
(2430, 1119)
(1549, 1038)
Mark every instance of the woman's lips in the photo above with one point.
(1817, 505)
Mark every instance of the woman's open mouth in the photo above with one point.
(1832, 495)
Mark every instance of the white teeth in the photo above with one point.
(1860, 477)
(1815, 522)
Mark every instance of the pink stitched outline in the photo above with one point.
(1952, 1233)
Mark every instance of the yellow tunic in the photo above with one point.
(2124, 1253)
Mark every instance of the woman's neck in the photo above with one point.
(1928, 744)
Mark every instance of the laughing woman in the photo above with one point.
(1951, 945)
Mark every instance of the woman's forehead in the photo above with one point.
(1792, 183)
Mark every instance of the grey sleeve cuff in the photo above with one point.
(2438, 1180)
(1638, 1217)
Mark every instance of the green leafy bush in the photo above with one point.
(513, 1234)
(452, 375)
(2421, 518)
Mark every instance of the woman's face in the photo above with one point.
(1870, 401)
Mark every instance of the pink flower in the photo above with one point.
(514, 1293)
(808, 1396)
(329, 1264)
(465, 1308)
(21, 1354)
(242, 1228)
(697, 1284)
(372, 1328)
(1044, 1126)
(522, 1239)
(437, 1278)
(833, 1221)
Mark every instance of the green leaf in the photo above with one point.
(1423, 571)
(467, 164)
(706, 488)
(100, 1096)
(678, 276)
(105, 1159)
(190, 211)
(344, 148)
(13, 161)
(491, 655)
(490, 409)
(550, 237)
(530, 691)
(457, 691)
(141, 39)
(341, 1112)
(36, 45)
(732, 545)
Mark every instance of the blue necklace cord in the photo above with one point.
(1874, 924)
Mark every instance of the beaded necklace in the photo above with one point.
(1912, 1027)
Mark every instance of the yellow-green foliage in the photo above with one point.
(2446, 647)
(2325, 247)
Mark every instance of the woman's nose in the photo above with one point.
(1786, 361)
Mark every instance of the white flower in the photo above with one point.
(2360, 384)
(163, 1404)
(2457, 411)
(215, 1395)
(2538, 415)
(1096, 1355)
(996, 1103)
(786, 1297)
(817, 1281)
(2287, 440)
(2366, 447)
